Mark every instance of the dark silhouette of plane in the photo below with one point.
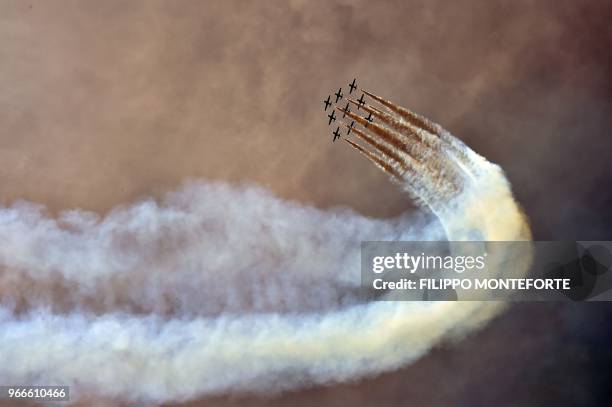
(345, 110)
(350, 127)
(369, 118)
(352, 86)
(361, 100)
(327, 102)
(332, 117)
(338, 95)
(336, 133)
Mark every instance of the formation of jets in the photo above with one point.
(339, 96)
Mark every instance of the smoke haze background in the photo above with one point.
(104, 103)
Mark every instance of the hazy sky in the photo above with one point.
(104, 102)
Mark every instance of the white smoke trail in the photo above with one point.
(222, 288)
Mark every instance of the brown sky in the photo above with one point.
(103, 102)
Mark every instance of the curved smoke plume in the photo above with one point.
(221, 288)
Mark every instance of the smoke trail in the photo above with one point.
(226, 288)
